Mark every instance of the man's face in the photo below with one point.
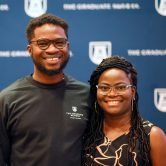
(52, 60)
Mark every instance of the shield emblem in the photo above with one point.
(74, 109)
(160, 99)
(160, 6)
(99, 50)
(35, 8)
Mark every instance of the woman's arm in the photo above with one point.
(158, 146)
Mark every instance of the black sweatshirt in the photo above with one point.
(42, 125)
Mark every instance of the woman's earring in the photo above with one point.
(132, 103)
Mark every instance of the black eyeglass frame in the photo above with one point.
(54, 42)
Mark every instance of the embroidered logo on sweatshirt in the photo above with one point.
(74, 113)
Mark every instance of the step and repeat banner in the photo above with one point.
(135, 29)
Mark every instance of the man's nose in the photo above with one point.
(52, 48)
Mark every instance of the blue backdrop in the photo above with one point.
(98, 28)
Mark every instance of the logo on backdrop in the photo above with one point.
(160, 99)
(160, 6)
(98, 50)
(35, 8)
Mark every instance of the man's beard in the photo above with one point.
(42, 69)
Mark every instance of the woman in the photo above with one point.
(117, 135)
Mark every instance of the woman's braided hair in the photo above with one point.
(94, 131)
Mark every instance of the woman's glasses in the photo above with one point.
(118, 89)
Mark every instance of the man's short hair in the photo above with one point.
(45, 19)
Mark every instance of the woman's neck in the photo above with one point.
(115, 127)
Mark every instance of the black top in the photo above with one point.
(114, 153)
(42, 125)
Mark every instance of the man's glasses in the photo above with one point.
(118, 89)
(43, 44)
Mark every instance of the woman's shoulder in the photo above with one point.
(157, 132)
(147, 126)
(158, 146)
(151, 128)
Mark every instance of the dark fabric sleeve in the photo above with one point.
(147, 126)
(4, 141)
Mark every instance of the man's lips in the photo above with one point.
(55, 59)
(51, 56)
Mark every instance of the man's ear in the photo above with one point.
(29, 49)
(68, 45)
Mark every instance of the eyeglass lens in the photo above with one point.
(105, 89)
(45, 43)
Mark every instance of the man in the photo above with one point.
(43, 116)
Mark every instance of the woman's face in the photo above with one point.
(116, 101)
